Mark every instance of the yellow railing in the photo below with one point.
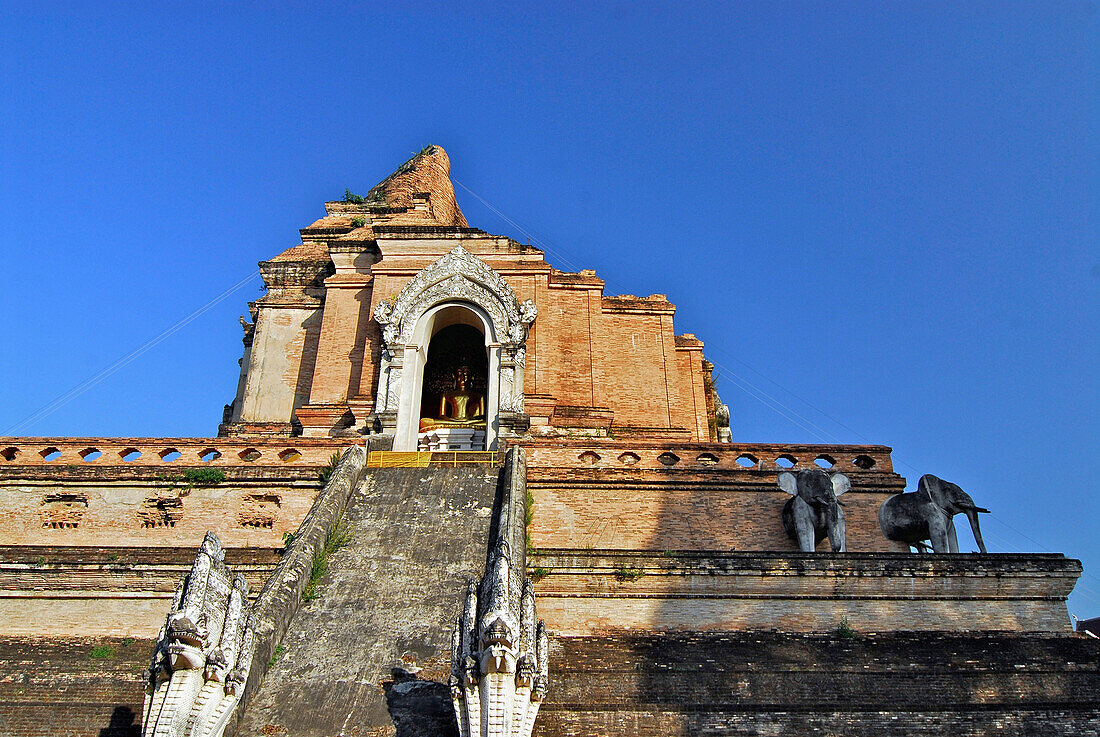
(423, 459)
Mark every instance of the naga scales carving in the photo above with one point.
(204, 653)
(500, 649)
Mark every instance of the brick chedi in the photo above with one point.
(462, 492)
(315, 355)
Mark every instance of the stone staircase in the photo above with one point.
(390, 599)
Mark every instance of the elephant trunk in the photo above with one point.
(972, 515)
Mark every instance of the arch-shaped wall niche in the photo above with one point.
(457, 287)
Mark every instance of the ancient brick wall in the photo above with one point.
(681, 496)
(611, 357)
(582, 592)
(71, 686)
(134, 492)
(81, 591)
(129, 513)
(281, 362)
(343, 341)
(851, 684)
(97, 531)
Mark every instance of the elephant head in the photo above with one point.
(927, 514)
(814, 511)
(952, 500)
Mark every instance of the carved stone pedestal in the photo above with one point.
(451, 438)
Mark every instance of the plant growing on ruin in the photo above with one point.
(203, 476)
(275, 655)
(337, 537)
(378, 196)
(316, 573)
(102, 652)
(326, 471)
(352, 199)
(844, 631)
(358, 222)
(629, 574)
(539, 573)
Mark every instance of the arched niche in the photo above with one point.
(457, 289)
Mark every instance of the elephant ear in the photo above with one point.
(788, 483)
(841, 484)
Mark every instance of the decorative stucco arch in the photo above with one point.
(458, 279)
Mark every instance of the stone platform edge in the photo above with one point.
(587, 592)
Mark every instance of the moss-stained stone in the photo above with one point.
(389, 599)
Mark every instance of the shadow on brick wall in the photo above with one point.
(123, 724)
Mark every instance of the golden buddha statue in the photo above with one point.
(460, 408)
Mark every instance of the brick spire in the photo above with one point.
(428, 172)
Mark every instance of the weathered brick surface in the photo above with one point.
(693, 496)
(19, 456)
(680, 516)
(54, 686)
(871, 463)
(145, 501)
(93, 591)
(390, 599)
(128, 514)
(590, 592)
(615, 354)
(783, 684)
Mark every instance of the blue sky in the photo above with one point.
(881, 217)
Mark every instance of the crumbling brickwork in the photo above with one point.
(89, 591)
(584, 592)
(123, 492)
(641, 495)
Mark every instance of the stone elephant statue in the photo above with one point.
(813, 511)
(927, 514)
